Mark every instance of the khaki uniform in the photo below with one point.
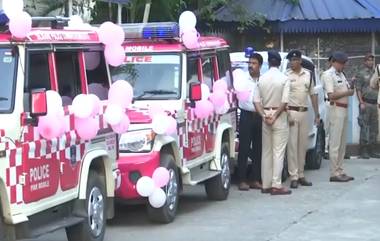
(272, 90)
(375, 83)
(368, 118)
(301, 87)
(338, 121)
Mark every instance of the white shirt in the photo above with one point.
(248, 105)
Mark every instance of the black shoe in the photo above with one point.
(348, 177)
(294, 184)
(339, 178)
(304, 182)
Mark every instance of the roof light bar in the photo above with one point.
(163, 30)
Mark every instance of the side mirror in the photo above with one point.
(38, 103)
(195, 93)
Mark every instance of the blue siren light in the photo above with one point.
(3, 18)
(248, 51)
(164, 30)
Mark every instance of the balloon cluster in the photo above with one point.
(20, 22)
(241, 85)
(151, 187)
(189, 34)
(52, 125)
(216, 101)
(120, 97)
(162, 123)
(85, 109)
(112, 36)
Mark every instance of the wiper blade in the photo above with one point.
(3, 98)
(155, 92)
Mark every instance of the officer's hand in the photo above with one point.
(317, 120)
(269, 120)
(362, 106)
(350, 92)
(291, 121)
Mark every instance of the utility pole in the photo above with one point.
(70, 6)
(148, 3)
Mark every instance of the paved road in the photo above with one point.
(327, 211)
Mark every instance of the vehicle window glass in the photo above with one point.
(224, 66)
(69, 84)
(208, 72)
(7, 70)
(192, 70)
(96, 72)
(38, 71)
(151, 76)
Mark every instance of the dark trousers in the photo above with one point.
(250, 127)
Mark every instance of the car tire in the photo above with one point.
(314, 156)
(217, 188)
(94, 225)
(6, 233)
(167, 213)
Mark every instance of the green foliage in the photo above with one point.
(295, 2)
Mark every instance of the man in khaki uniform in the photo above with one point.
(301, 87)
(270, 100)
(375, 83)
(338, 90)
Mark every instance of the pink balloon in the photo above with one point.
(86, 128)
(218, 98)
(92, 60)
(172, 126)
(114, 55)
(111, 34)
(190, 38)
(21, 25)
(203, 108)
(220, 86)
(120, 93)
(49, 126)
(95, 104)
(161, 176)
(123, 126)
(243, 95)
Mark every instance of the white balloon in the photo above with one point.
(82, 106)
(54, 102)
(13, 7)
(240, 80)
(113, 114)
(160, 123)
(187, 20)
(145, 186)
(205, 91)
(158, 198)
(223, 109)
(76, 22)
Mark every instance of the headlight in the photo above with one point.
(137, 141)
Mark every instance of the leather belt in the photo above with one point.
(298, 108)
(270, 108)
(370, 101)
(339, 104)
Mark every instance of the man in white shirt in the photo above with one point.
(250, 124)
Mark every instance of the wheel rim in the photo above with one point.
(225, 175)
(96, 211)
(172, 190)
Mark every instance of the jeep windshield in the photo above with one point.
(7, 79)
(152, 76)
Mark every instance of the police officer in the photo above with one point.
(250, 131)
(301, 87)
(338, 90)
(368, 117)
(270, 100)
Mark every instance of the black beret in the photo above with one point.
(274, 55)
(339, 57)
(294, 53)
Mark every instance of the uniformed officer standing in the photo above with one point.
(250, 124)
(301, 87)
(368, 117)
(338, 90)
(270, 100)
